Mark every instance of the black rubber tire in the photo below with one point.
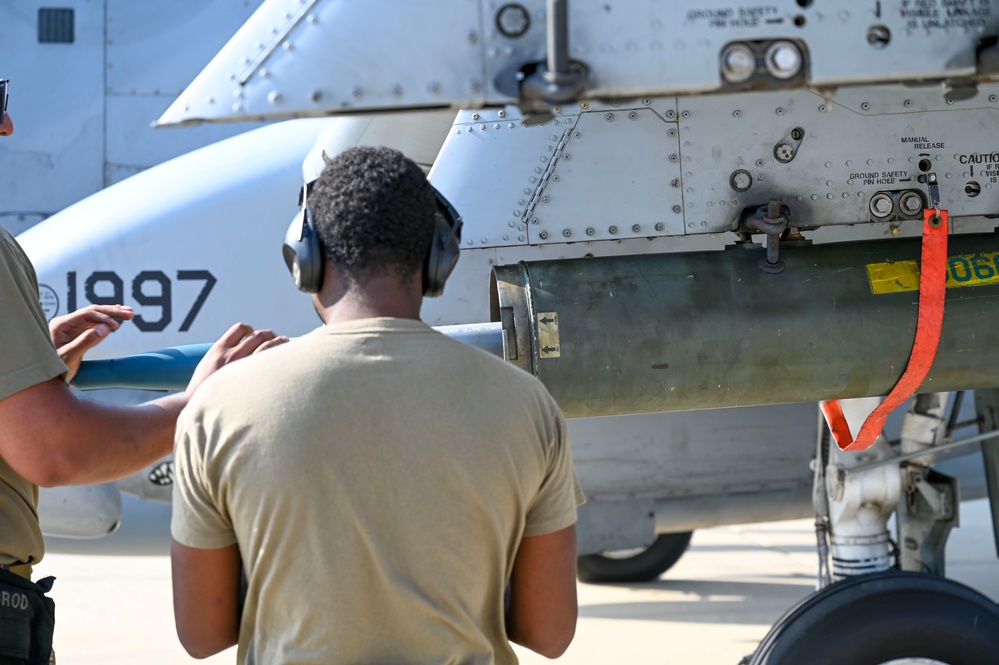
(874, 619)
(647, 565)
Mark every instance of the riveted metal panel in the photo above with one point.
(132, 145)
(82, 109)
(601, 161)
(657, 47)
(315, 57)
(835, 173)
(153, 50)
(157, 48)
(621, 167)
(895, 40)
(55, 156)
(504, 55)
(491, 167)
(715, 158)
(296, 58)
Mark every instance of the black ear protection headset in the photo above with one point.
(303, 253)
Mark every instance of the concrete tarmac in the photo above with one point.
(114, 606)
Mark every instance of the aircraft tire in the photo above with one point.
(892, 617)
(644, 566)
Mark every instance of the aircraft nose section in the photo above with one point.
(297, 58)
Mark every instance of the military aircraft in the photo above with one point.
(87, 79)
(693, 224)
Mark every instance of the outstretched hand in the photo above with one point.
(76, 333)
(238, 342)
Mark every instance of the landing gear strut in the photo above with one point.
(873, 614)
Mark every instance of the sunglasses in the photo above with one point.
(3, 96)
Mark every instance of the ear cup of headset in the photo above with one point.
(445, 247)
(302, 253)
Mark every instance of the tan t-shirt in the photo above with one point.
(378, 477)
(27, 358)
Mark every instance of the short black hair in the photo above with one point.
(374, 209)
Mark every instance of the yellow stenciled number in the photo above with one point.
(962, 270)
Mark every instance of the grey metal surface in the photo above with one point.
(418, 135)
(270, 67)
(924, 520)
(689, 454)
(82, 110)
(615, 525)
(485, 336)
(668, 166)
(711, 510)
(671, 472)
(708, 330)
(857, 143)
(603, 161)
(290, 59)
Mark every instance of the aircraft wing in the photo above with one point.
(297, 58)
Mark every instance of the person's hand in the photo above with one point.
(238, 342)
(76, 333)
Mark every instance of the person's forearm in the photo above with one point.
(206, 597)
(542, 609)
(52, 436)
(115, 441)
